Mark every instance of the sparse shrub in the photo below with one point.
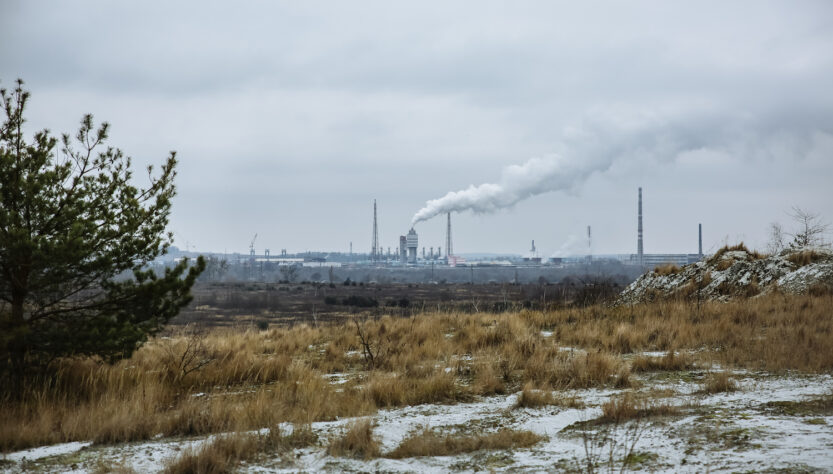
(805, 257)
(624, 407)
(532, 398)
(430, 443)
(820, 289)
(667, 269)
(356, 442)
(727, 248)
(725, 264)
(719, 382)
(360, 301)
(218, 456)
(331, 300)
(300, 437)
(671, 361)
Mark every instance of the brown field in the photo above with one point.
(265, 305)
(234, 379)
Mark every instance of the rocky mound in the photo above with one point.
(736, 271)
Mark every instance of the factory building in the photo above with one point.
(412, 242)
(653, 260)
(403, 251)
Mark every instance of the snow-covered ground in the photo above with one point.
(723, 432)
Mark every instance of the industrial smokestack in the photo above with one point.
(700, 240)
(589, 245)
(639, 254)
(448, 244)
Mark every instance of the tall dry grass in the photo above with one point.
(430, 443)
(255, 379)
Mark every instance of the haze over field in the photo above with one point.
(542, 118)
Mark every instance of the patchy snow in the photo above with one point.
(721, 432)
(46, 451)
(732, 273)
(337, 379)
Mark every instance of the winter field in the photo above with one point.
(743, 385)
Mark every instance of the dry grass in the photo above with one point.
(805, 257)
(738, 247)
(256, 379)
(719, 382)
(216, 457)
(667, 269)
(356, 442)
(226, 452)
(534, 398)
(430, 443)
(628, 406)
(671, 361)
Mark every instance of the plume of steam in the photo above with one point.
(596, 144)
(569, 246)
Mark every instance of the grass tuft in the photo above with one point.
(221, 455)
(356, 442)
(667, 269)
(533, 398)
(430, 443)
(719, 382)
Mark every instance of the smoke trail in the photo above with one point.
(569, 246)
(598, 143)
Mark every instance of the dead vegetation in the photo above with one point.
(814, 406)
(534, 398)
(431, 443)
(719, 382)
(805, 257)
(667, 269)
(628, 406)
(257, 379)
(671, 361)
(356, 442)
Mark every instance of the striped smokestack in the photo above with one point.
(639, 232)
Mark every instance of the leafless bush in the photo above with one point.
(186, 354)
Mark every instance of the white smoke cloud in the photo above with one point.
(569, 247)
(597, 143)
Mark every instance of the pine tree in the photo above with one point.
(75, 239)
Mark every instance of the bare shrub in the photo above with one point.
(186, 354)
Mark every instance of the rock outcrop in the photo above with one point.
(736, 272)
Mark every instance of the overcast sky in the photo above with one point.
(289, 118)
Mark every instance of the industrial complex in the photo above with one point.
(409, 254)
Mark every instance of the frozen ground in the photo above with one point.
(725, 432)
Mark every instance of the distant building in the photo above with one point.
(651, 260)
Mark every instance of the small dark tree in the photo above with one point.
(75, 239)
(810, 231)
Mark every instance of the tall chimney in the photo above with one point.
(639, 253)
(700, 240)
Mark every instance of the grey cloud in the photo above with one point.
(403, 102)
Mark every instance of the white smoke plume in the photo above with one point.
(569, 246)
(597, 144)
